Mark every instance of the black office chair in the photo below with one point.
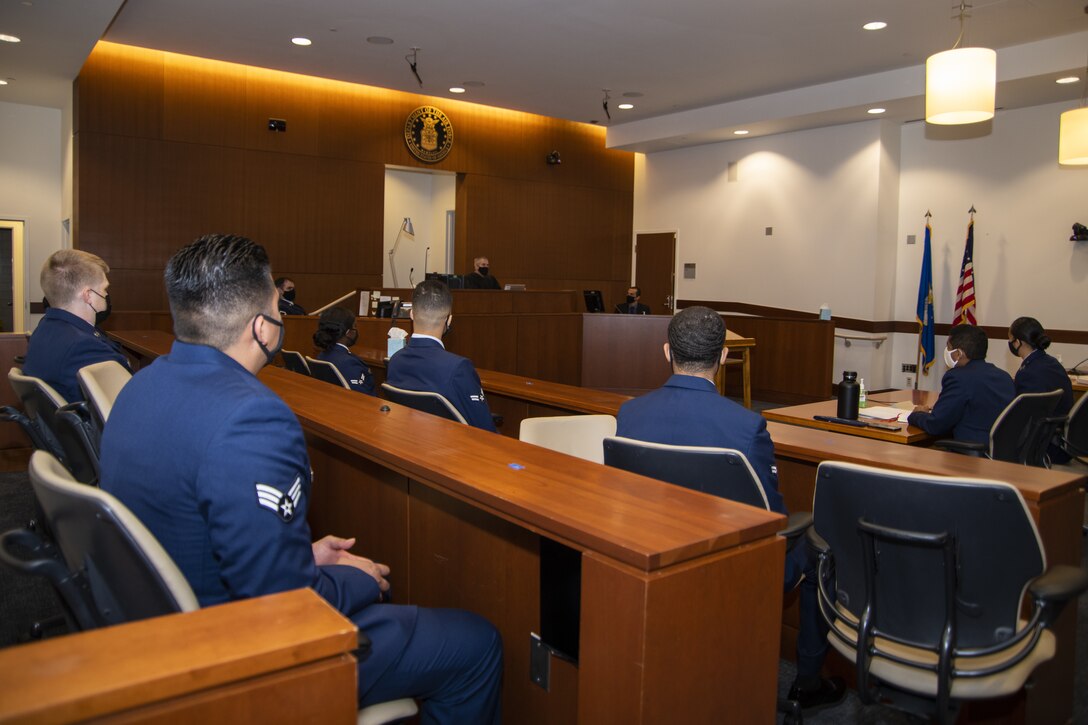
(110, 568)
(295, 362)
(1073, 436)
(326, 372)
(722, 472)
(928, 573)
(1019, 435)
(424, 401)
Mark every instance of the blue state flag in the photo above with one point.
(925, 308)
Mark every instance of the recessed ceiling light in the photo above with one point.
(457, 89)
(10, 38)
(473, 84)
(875, 111)
(301, 41)
(379, 40)
(1067, 79)
(875, 25)
(741, 132)
(625, 106)
(3, 82)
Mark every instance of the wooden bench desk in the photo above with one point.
(281, 658)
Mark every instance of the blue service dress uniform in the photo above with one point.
(1041, 373)
(972, 396)
(425, 364)
(354, 370)
(215, 465)
(688, 411)
(61, 345)
(287, 307)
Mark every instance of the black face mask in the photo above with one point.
(1014, 348)
(449, 326)
(483, 271)
(351, 337)
(630, 300)
(269, 353)
(100, 316)
(289, 295)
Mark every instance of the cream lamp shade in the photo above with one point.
(960, 86)
(1073, 138)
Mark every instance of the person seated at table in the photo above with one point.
(335, 335)
(1039, 372)
(425, 364)
(215, 465)
(286, 288)
(632, 306)
(973, 391)
(688, 411)
(68, 337)
(480, 277)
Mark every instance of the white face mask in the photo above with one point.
(948, 361)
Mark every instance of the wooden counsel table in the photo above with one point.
(672, 586)
(804, 415)
(281, 658)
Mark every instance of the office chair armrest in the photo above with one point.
(497, 420)
(39, 559)
(816, 541)
(12, 415)
(1055, 588)
(950, 444)
(796, 525)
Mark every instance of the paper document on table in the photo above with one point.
(879, 413)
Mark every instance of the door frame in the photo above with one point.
(19, 279)
(676, 255)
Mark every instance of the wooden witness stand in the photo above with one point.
(360, 467)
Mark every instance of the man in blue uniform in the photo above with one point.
(632, 306)
(973, 391)
(424, 364)
(287, 306)
(68, 338)
(688, 411)
(215, 465)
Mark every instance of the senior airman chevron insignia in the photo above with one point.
(283, 505)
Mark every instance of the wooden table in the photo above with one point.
(803, 415)
(1079, 388)
(281, 658)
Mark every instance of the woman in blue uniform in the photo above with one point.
(335, 334)
(1039, 372)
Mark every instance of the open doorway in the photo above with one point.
(12, 277)
(429, 199)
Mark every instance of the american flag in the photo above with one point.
(965, 294)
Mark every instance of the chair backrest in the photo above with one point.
(128, 574)
(722, 472)
(326, 372)
(295, 362)
(101, 383)
(39, 399)
(576, 435)
(1076, 428)
(425, 401)
(1016, 435)
(993, 539)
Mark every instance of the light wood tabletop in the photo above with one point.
(805, 415)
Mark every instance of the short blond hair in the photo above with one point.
(67, 272)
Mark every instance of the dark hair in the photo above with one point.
(1028, 329)
(970, 340)
(280, 281)
(696, 339)
(638, 290)
(216, 285)
(333, 324)
(431, 302)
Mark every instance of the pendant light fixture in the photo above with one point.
(1073, 132)
(961, 83)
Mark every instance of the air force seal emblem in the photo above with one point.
(283, 505)
(429, 134)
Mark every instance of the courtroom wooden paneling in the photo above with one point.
(793, 361)
(623, 352)
(241, 655)
(549, 347)
(168, 147)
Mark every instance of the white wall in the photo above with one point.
(32, 181)
(425, 197)
(842, 201)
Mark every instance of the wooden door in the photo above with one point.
(655, 271)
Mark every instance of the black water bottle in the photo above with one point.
(848, 395)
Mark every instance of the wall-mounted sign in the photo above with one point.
(429, 134)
